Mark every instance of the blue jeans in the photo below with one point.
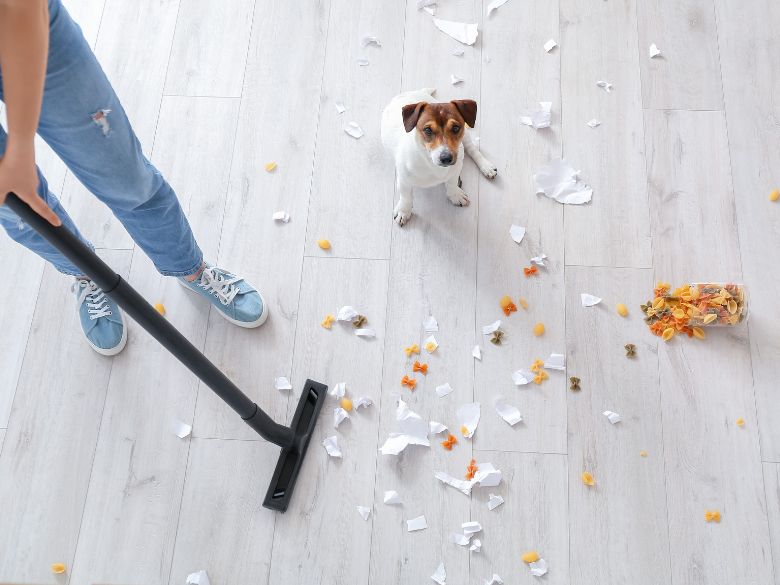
(84, 123)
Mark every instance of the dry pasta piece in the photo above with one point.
(359, 321)
(507, 305)
(539, 329)
(712, 515)
(530, 557)
(414, 348)
(327, 322)
(630, 349)
(698, 332)
(464, 430)
(418, 367)
(160, 308)
(740, 422)
(270, 167)
(709, 318)
(574, 382)
(498, 337)
(622, 310)
(449, 442)
(523, 303)
(324, 244)
(643, 453)
(346, 404)
(587, 478)
(58, 568)
(408, 382)
(774, 195)
(537, 366)
(668, 333)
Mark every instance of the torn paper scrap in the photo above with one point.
(470, 528)
(436, 427)
(613, 417)
(340, 107)
(522, 377)
(346, 313)
(538, 568)
(363, 62)
(477, 352)
(412, 430)
(506, 411)
(282, 216)
(594, 122)
(495, 580)
(455, 80)
(430, 344)
(354, 130)
(605, 85)
(440, 575)
(462, 32)
(392, 497)
(558, 180)
(537, 118)
(550, 45)
(331, 445)
(654, 51)
(468, 418)
(459, 484)
(199, 578)
(364, 512)
(476, 545)
(339, 416)
(488, 329)
(589, 300)
(487, 475)
(517, 233)
(365, 332)
(540, 260)
(418, 523)
(367, 40)
(181, 429)
(556, 361)
(430, 9)
(459, 539)
(494, 501)
(430, 325)
(443, 390)
(423, 3)
(339, 390)
(459, 52)
(282, 383)
(363, 402)
(495, 4)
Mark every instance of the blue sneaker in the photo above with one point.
(101, 319)
(235, 299)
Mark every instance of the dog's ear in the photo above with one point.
(411, 113)
(467, 109)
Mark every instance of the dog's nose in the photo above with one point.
(445, 158)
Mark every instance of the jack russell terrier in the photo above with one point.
(427, 140)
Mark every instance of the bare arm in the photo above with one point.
(24, 46)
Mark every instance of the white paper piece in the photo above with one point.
(550, 45)
(537, 118)
(470, 528)
(476, 545)
(363, 62)
(354, 130)
(540, 260)
(418, 523)
(459, 539)
(346, 313)
(538, 568)
(613, 417)
(558, 180)
(487, 475)
(455, 80)
(339, 390)
(556, 361)
(494, 501)
(654, 51)
(462, 32)
(468, 416)
(443, 390)
(495, 4)
(495, 580)
(423, 3)
(488, 329)
(477, 352)
(605, 85)
(430, 344)
(517, 233)
(282, 383)
(412, 430)
(436, 427)
(522, 377)
(199, 578)
(594, 122)
(339, 416)
(430, 9)
(430, 325)
(181, 429)
(364, 512)
(506, 411)
(363, 402)
(392, 497)
(282, 216)
(589, 300)
(365, 332)
(459, 52)
(440, 575)
(340, 107)
(461, 485)
(331, 445)
(367, 40)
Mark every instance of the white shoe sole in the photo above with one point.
(114, 350)
(245, 324)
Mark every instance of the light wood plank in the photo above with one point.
(209, 48)
(533, 517)
(749, 54)
(129, 523)
(328, 490)
(686, 75)
(507, 200)
(352, 188)
(705, 386)
(618, 530)
(614, 229)
(2, 439)
(50, 442)
(268, 254)
(223, 527)
(772, 484)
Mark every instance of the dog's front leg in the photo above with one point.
(455, 194)
(487, 168)
(403, 210)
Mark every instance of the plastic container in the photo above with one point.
(716, 304)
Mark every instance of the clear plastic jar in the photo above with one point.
(717, 304)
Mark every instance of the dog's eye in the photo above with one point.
(428, 132)
(455, 129)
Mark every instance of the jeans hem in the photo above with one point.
(182, 273)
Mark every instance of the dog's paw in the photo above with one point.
(458, 197)
(401, 215)
(488, 169)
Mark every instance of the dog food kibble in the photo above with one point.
(324, 244)
(740, 422)
(711, 515)
(539, 329)
(622, 310)
(58, 568)
(327, 322)
(160, 308)
(530, 557)
(507, 305)
(346, 404)
(270, 167)
(587, 478)
(774, 195)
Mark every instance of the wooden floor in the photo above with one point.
(91, 473)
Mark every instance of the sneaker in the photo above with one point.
(235, 299)
(101, 319)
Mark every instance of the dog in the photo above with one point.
(427, 141)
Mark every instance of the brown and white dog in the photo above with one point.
(427, 140)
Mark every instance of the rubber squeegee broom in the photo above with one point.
(294, 440)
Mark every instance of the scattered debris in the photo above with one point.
(550, 45)
(740, 422)
(339, 416)
(392, 497)
(346, 313)
(774, 195)
(414, 348)
(538, 568)
(363, 62)
(324, 244)
(367, 40)
(517, 233)
(589, 300)
(498, 337)
(340, 107)
(621, 309)
(538, 118)
(443, 390)
(181, 429)
(559, 181)
(593, 123)
(415, 524)
(530, 271)
(540, 260)
(327, 322)
(529, 557)
(346, 404)
(556, 361)
(338, 390)
(495, 4)
(605, 85)
(613, 417)
(507, 305)
(462, 32)
(506, 411)
(363, 402)
(365, 332)
(282, 383)
(412, 430)
(654, 51)
(270, 167)
(359, 321)
(199, 578)
(459, 52)
(495, 580)
(476, 545)
(58, 568)
(331, 445)
(440, 575)
(364, 512)
(523, 303)
(430, 344)
(422, 368)
(354, 130)
(449, 442)
(630, 349)
(477, 352)
(281, 216)
(455, 80)
(471, 469)
(574, 384)
(643, 453)
(712, 516)
(468, 417)
(160, 308)
(488, 329)
(494, 501)
(436, 427)
(538, 329)
(430, 325)
(410, 383)
(521, 377)
(587, 478)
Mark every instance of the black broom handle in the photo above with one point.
(147, 317)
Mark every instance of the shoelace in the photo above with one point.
(96, 299)
(215, 282)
